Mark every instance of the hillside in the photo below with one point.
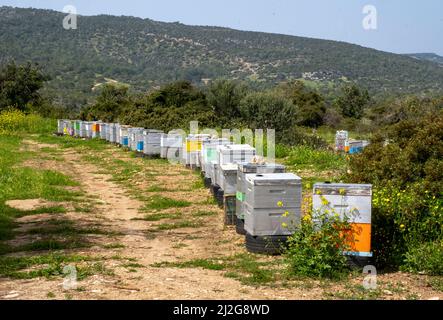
(145, 53)
(427, 57)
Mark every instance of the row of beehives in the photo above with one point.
(261, 199)
(345, 144)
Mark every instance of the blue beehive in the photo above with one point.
(125, 141)
(140, 146)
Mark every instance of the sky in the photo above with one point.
(403, 26)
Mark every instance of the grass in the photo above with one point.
(157, 202)
(436, 283)
(246, 268)
(355, 292)
(306, 158)
(204, 213)
(179, 225)
(161, 216)
(47, 266)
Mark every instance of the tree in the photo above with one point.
(263, 110)
(20, 85)
(310, 104)
(353, 101)
(225, 96)
(109, 105)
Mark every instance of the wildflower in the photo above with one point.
(286, 214)
(307, 218)
(280, 204)
(284, 225)
(402, 227)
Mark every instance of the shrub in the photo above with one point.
(316, 248)
(407, 176)
(426, 257)
(14, 122)
(294, 136)
(303, 157)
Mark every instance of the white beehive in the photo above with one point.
(272, 204)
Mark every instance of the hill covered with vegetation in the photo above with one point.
(144, 54)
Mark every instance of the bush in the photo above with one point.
(427, 257)
(405, 165)
(316, 248)
(14, 122)
(303, 157)
(295, 136)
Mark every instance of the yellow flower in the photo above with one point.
(286, 214)
(280, 204)
(402, 226)
(284, 225)
(307, 218)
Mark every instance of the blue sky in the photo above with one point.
(404, 26)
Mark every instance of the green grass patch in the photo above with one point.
(161, 216)
(204, 213)
(246, 268)
(47, 266)
(160, 203)
(302, 157)
(179, 225)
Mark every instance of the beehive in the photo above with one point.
(350, 201)
(248, 168)
(209, 154)
(152, 142)
(117, 133)
(171, 145)
(77, 127)
(123, 133)
(272, 204)
(234, 153)
(83, 129)
(60, 126)
(95, 127)
(192, 149)
(89, 133)
(103, 130)
(341, 138)
(229, 179)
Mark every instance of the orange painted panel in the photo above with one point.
(360, 238)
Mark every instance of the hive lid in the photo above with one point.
(342, 189)
(229, 167)
(235, 147)
(273, 179)
(254, 167)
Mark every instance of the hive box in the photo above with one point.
(248, 168)
(96, 129)
(272, 204)
(350, 201)
(133, 136)
(228, 154)
(103, 130)
(152, 142)
(228, 178)
(192, 149)
(171, 145)
(235, 153)
(209, 154)
(123, 135)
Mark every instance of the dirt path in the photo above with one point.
(116, 211)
